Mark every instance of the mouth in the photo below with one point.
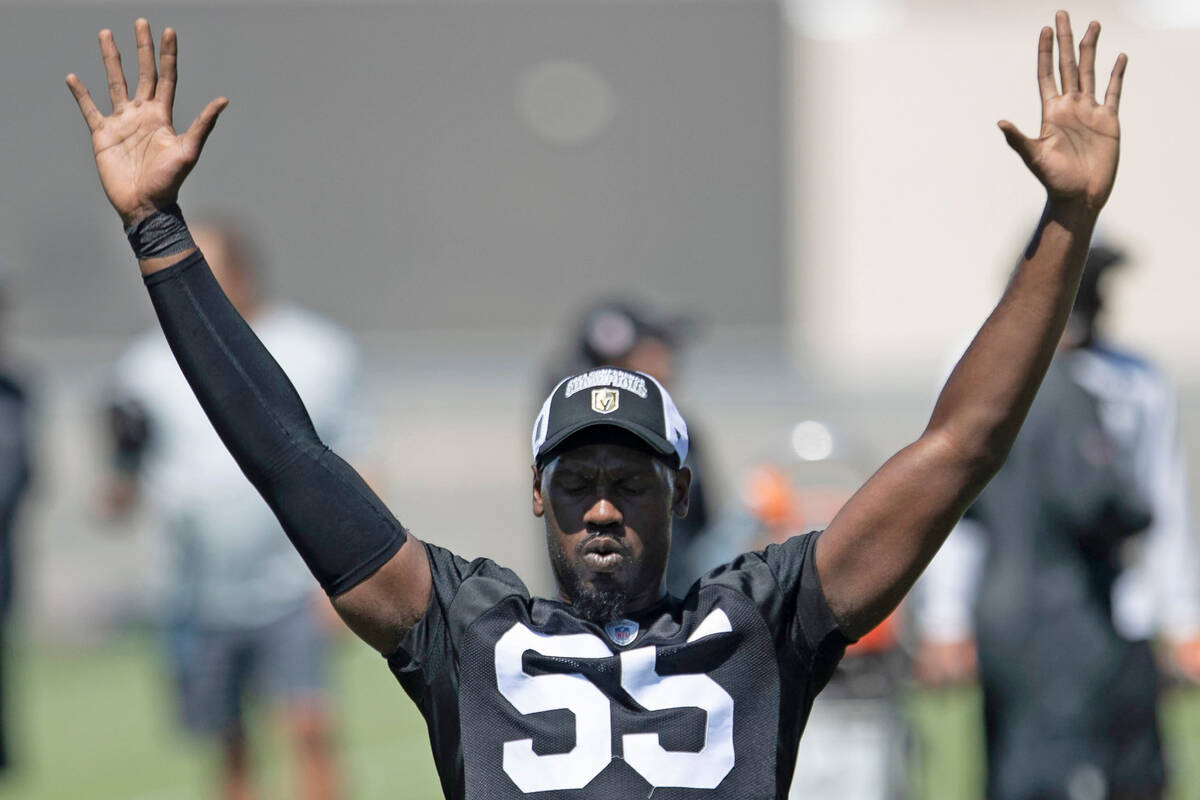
(603, 554)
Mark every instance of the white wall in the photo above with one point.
(911, 209)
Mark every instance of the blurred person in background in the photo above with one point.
(15, 471)
(243, 616)
(633, 335)
(1079, 552)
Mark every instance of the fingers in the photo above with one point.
(147, 73)
(1045, 65)
(1112, 98)
(117, 91)
(1067, 71)
(198, 132)
(1017, 140)
(91, 114)
(1087, 59)
(166, 70)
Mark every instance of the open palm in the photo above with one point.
(1076, 155)
(142, 161)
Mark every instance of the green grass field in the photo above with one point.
(98, 725)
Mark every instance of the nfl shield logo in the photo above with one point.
(605, 401)
(622, 632)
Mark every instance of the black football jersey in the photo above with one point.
(703, 697)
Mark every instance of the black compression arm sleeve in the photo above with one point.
(341, 528)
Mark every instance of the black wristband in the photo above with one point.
(163, 233)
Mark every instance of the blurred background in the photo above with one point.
(817, 186)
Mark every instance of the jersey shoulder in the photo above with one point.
(782, 582)
(470, 588)
(764, 575)
(462, 592)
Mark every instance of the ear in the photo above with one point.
(683, 484)
(539, 504)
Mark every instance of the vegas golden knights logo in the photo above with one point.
(605, 401)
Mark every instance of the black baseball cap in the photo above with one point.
(620, 398)
(1102, 257)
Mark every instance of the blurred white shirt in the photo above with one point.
(222, 560)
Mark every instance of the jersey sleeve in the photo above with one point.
(426, 660)
(426, 657)
(782, 581)
(804, 613)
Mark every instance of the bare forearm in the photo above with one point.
(884, 537)
(985, 400)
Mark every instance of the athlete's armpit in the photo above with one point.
(385, 606)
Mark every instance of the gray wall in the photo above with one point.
(389, 156)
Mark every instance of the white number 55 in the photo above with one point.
(530, 694)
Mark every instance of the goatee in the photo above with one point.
(599, 605)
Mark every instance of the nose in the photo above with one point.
(603, 514)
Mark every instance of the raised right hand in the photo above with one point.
(142, 161)
(1075, 156)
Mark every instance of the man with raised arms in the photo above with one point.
(614, 688)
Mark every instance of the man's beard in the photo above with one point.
(598, 605)
(593, 603)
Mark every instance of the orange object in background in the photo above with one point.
(884, 636)
(770, 496)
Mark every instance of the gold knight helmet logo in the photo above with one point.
(605, 401)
